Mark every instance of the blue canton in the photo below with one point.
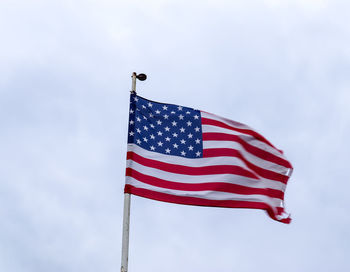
(165, 128)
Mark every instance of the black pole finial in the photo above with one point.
(141, 77)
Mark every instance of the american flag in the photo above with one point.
(181, 155)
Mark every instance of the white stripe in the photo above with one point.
(224, 120)
(246, 137)
(227, 178)
(238, 125)
(195, 162)
(248, 156)
(210, 195)
(199, 162)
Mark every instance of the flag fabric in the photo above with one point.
(181, 155)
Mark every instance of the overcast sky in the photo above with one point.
(281, 67)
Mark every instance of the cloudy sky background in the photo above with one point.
(281, 67)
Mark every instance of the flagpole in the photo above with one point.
(127, 197)
(125, 241)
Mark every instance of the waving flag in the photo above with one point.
(186, 156)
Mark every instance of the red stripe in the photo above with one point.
(207, 186)
(227, 152)
(204, 202)
(213, 136)
(188, 170)
(206, 121)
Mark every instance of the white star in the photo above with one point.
(152, 147)
(188, 112)
(175, 135)
(150, 104)
(138, 130)
(190, 147)
(183, 153)
(138, 141)
(157, 111)
(145, 139)
(136, 99)
(167, 150)
(131, 133)
(198, 141)
(175, 146)
(138, 119)
(174, 123)
(131, 122)
(152, 137)
(165, 107)
(131, 111)
(160, 133)
(151, 115)
(197, 129)
(172, 112)
(190, 136)
(143, 106)
(159, 122)
(144, 117)
(179, 108)
(181, 117)
(167, 128)
(183, 141)
(198, 153)
(152, 126)
(196, 117)
(160, 143)
(189, 123)
(182, 129)
(145, 128)
(167, 139)
(166, 116)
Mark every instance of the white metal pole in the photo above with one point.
(126, 213)
(133, 84)
(125, 242)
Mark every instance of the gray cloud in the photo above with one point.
(282, 68)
